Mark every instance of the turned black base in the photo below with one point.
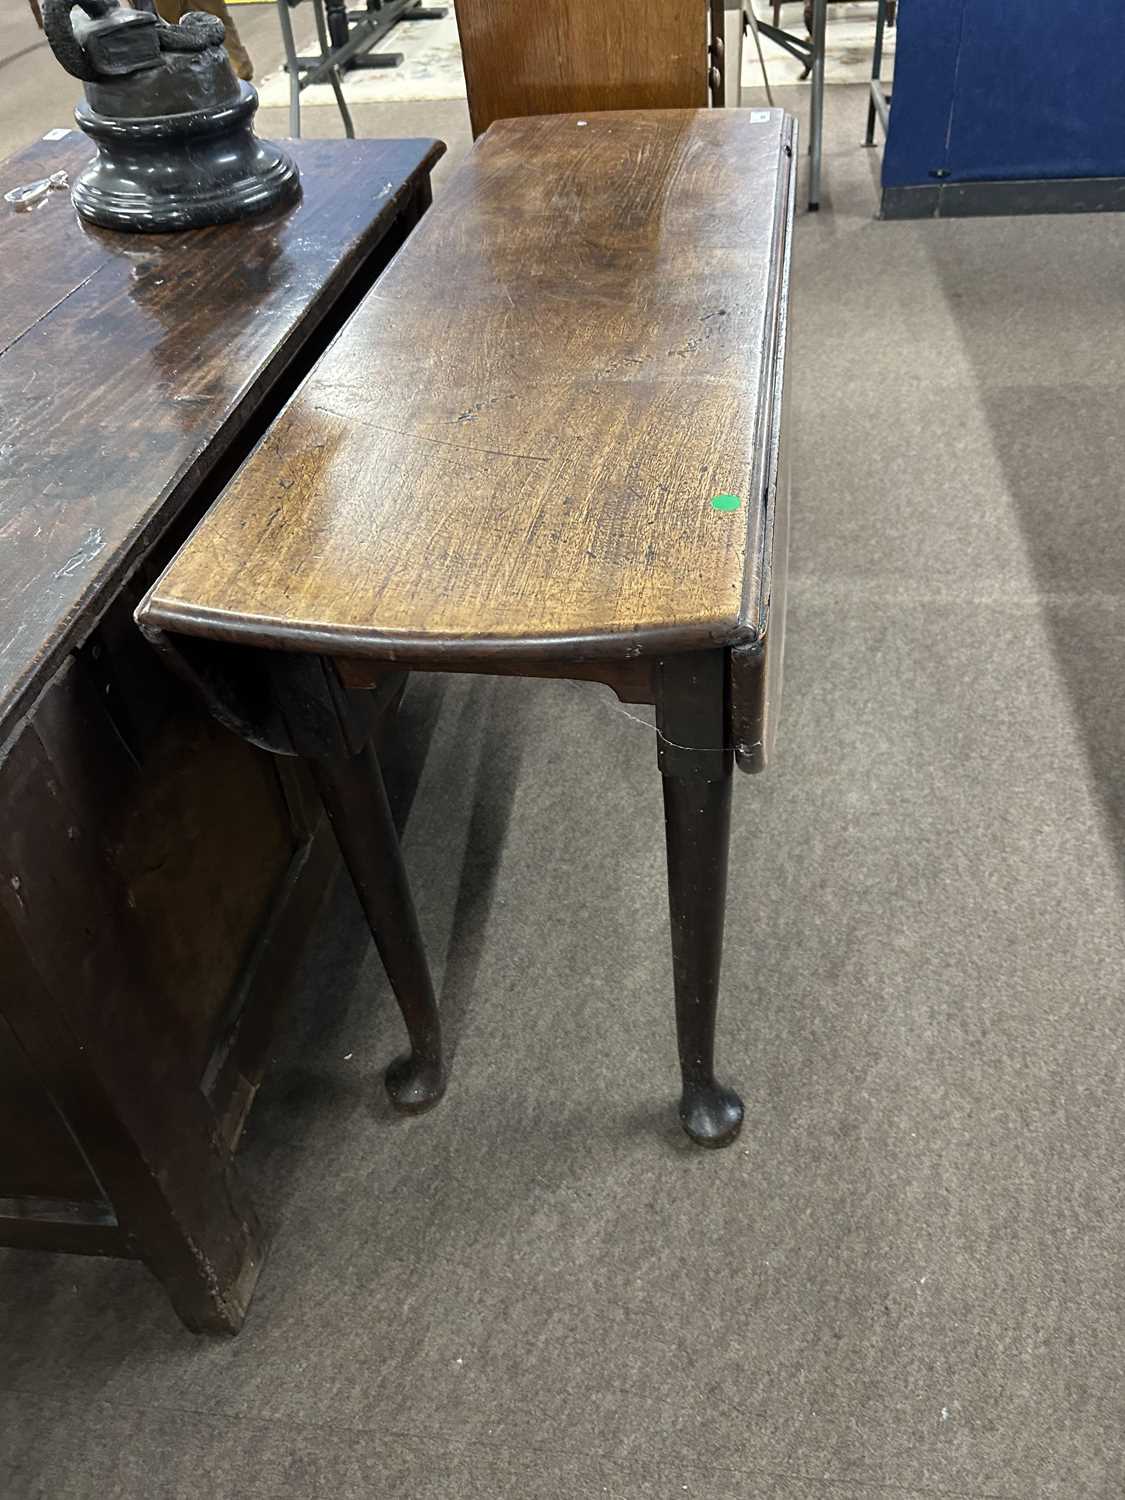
(182, 171)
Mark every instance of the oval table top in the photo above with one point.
(547, 430)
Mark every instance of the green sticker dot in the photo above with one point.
(725, 502)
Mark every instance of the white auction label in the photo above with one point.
(56, 135)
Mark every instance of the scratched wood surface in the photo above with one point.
(556, 56)
(128, 363)
(514, 445)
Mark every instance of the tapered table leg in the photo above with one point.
(294, 704)
(695, 762)
(355, 799)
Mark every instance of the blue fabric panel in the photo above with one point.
(994, 90)
(1039, 90)
(929, 38)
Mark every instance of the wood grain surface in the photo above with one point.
(557, 56)
(128, 363)
(514, 445)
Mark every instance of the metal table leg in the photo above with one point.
(810, 53)
(816, 118)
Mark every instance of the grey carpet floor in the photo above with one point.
(906, 1280)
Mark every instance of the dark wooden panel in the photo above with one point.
(54, 1224)
(40, 1036)
(631, 680)
(241, 1052)
(38, 1155)
(88, 1015)
(554, 56)
(196, 832)
(130, 363)
(67, 899)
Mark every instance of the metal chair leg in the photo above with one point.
(292, 66)
(752, 22)
(876, 70)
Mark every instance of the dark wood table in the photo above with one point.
(157, 873)
(551, 444)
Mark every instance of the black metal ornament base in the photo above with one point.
(172, 124)
(182, 171)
